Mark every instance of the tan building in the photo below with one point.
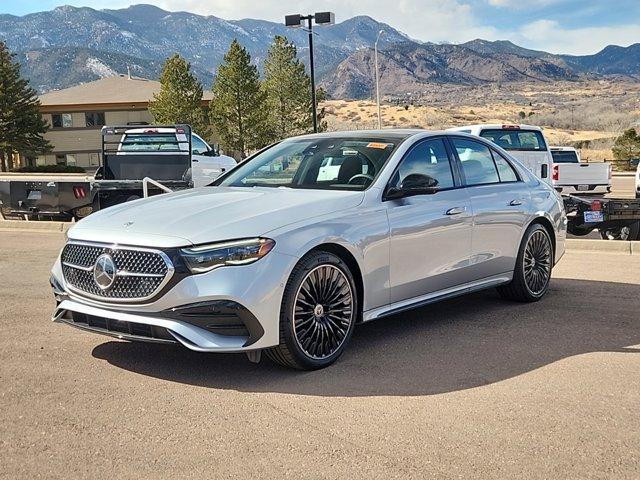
(77, 114)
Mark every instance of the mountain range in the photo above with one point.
(71, 45)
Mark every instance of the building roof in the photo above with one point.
(119, 89)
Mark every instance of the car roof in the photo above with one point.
(149, 129)
(497, 126)
(563, 149)
(389, 133)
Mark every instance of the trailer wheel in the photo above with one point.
(628, 232)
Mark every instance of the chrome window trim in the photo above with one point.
(114, 246)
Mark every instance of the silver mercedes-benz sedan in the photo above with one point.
(288, 251)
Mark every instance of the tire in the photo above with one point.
(531, 278)
(629, 232)
(320, 282)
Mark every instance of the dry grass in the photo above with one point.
(571, 112)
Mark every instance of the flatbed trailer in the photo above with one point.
(614, 218)
(45, 196)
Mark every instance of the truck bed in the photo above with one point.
(579, 177)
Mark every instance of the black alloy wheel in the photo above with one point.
(319, 309)
(537, 262)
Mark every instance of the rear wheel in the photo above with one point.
(318, 313)
(532, 274)
(628, 232)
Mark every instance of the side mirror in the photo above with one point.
(412, 185)
(99, 175)
(210, 153)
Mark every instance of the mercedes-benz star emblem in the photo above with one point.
(104, 271)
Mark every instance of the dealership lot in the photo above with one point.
(474, 387)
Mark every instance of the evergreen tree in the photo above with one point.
(21, 125)
(238, 111)
(287, 86)
(626, 147)
(180, 97)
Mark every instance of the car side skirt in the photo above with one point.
(416, 302)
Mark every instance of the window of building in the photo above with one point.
(62, 120)
(94, 119)
(66, 159)
(94, 159)
(477, 162)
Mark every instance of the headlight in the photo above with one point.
(237, 252)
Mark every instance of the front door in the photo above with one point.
(430, 243)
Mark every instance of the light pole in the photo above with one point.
(375, 54)
(295, 21)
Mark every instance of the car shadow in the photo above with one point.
(462, 343)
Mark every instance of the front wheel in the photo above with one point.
(318, 313)
(532, 274)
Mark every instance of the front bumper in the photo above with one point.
(229, 309)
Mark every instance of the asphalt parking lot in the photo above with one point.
(471, 388)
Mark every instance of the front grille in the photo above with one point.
(140, 273)
(103, 324)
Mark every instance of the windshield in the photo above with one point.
(520, 140)
(139, 142)
(318, 163)
(567, 156)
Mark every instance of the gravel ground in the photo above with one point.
(471, 388)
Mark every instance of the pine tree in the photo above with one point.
(287, 88)
(238, 112)
(626, 147)
(21, 125)
(180, 97)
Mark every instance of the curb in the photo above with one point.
(35, 226)
(603, 246)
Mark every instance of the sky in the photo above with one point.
(558, 26)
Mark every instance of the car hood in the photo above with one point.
(209, 214)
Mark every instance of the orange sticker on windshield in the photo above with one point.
(377, 145)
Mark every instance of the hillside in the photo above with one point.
(70, 45)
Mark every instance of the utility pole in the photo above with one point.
(375, 54)
(295, 21)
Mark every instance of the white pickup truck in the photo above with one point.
(525, 143)
(570, 175)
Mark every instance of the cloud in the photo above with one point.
(550, 36)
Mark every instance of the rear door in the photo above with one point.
(499, 199)
(430, 242)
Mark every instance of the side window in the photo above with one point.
(477, 162)
(505, 170)
(427, 158)
(198, 147)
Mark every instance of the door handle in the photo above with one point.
(456, 211)
(515, 203)
(194, 160)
